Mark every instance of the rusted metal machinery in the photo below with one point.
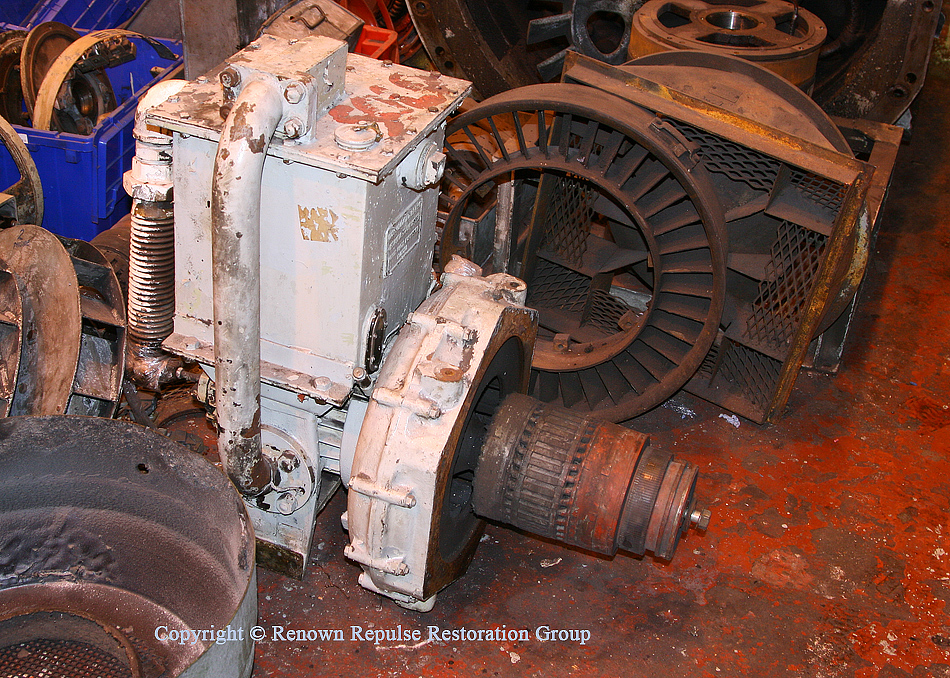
(684, 209)
(305, 195)
(104, 570)
(871, 65)
(21, 203)
(62, 313)
(775, 34)
(63, 325)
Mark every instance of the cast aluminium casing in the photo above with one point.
(341, 237)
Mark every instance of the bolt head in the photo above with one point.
(434, 168)
(230, 78)
(287, 503)
(293, 128)
(294, 92)
(700, 518)
(288, 462)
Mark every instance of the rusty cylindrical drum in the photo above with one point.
(583, 481)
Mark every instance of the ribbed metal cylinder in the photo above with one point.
(582, 481)
(151, 275)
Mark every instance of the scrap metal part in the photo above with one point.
(449, 440)
(871, 66)
(876, 61)
(21, 203)
(12, 107)
(775, 34)
(796, 206)
(458, 356)
(614, 225)
(72, 345)
(75, 91)
(584, 481)
(105, 568)
(481, 41)
(297, 170)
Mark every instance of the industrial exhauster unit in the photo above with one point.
(284, 219)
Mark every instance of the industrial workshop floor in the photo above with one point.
(828, 551)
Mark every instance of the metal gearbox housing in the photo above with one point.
(409, 510)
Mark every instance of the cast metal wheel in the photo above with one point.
(12, 107)
(43, 44)
(28, 192)
(773, 33)
(600, 208)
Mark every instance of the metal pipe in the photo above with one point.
(236, 282)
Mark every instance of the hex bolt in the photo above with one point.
(359, 374)
(287, 503)
(322, 383)
(288, 462)
(434, 167)
(230, 78)
(293, 128)
(294, 92)
(700, 518)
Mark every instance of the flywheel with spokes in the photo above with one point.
(602, 209)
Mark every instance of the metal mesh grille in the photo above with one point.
(789, 277)
(59, 659)
(606, 311)
(569, 218)
(558, 287)
(756, 375)
(825, 192)
(736, 162)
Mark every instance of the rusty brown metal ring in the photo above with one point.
(641, 497)
(670, 516)
(643, 129)
(773, 33)
(11, 88)
(28, 190)
(39, 52)
(60, 69)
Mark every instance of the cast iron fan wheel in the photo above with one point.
(613, 225)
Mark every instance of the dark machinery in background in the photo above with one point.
(871, 66)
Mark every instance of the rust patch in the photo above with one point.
(255, 428)
(414, 83)
(783, 568)
(362, 111)
(241, 130)
(931, 414)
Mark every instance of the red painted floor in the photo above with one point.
(828, 553)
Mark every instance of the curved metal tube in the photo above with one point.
(236, 282)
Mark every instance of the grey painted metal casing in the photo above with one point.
(341, 236)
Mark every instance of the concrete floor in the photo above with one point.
(828, 551)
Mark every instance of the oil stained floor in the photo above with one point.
(828, 553)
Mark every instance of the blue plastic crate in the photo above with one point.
(88, 14)
(82, 175)
(16, 12)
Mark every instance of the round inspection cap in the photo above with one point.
(359, 137)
